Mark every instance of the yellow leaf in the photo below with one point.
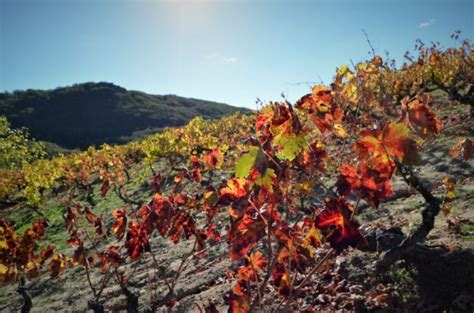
(305, 187)
(451, 188)
(266, 180)
(342, 70)
(339, 130)
(3, 244)
(289, 145)
(30, 266)
(451, 194)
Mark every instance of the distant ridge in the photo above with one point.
(95, 113)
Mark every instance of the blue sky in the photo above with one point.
(228, 51)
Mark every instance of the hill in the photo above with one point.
(204, 278)
(355, 198)
(95, 113)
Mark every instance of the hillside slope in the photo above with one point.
(357, 198)
(94, 113)
(206, 279)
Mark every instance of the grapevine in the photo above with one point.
(300, 174)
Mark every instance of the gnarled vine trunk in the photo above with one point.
(433, 207)
(27, 303)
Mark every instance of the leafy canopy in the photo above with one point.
(16, 148)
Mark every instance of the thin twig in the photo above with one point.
(315, 269)
(368, 41)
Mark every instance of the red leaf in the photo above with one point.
(90, 217)
(105, 188)
(210, 197)
(57, 264)
(213, 158)
(203, 235)
(181, 222)
(39, 227)
(74, 239)
(178, 178)
(196, 175)
(312, 234)
(464, 146)
(280, 278)
(70, 219)
(320, 100)
(158, 214)
(313, 158)
(348, 179)
(98, 226)
(195, 162)
(336, 225)
(137, 240)
(155, 182)
(369, 183)
(244, 233)
(263, 120)
(46, 253)
(111, 256)
(275, 119)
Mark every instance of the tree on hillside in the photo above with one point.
(16, 148)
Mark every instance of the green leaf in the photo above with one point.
(245, 163)
(289, 145)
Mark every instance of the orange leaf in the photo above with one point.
(57, 264)
(322, 110)
(463, 145)
(239, 299)
(235, 189)
(392, 142)
(320, 100)
(420, 118)
(245, 233)
(213, 158)
(258, 261)
(120, 216)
